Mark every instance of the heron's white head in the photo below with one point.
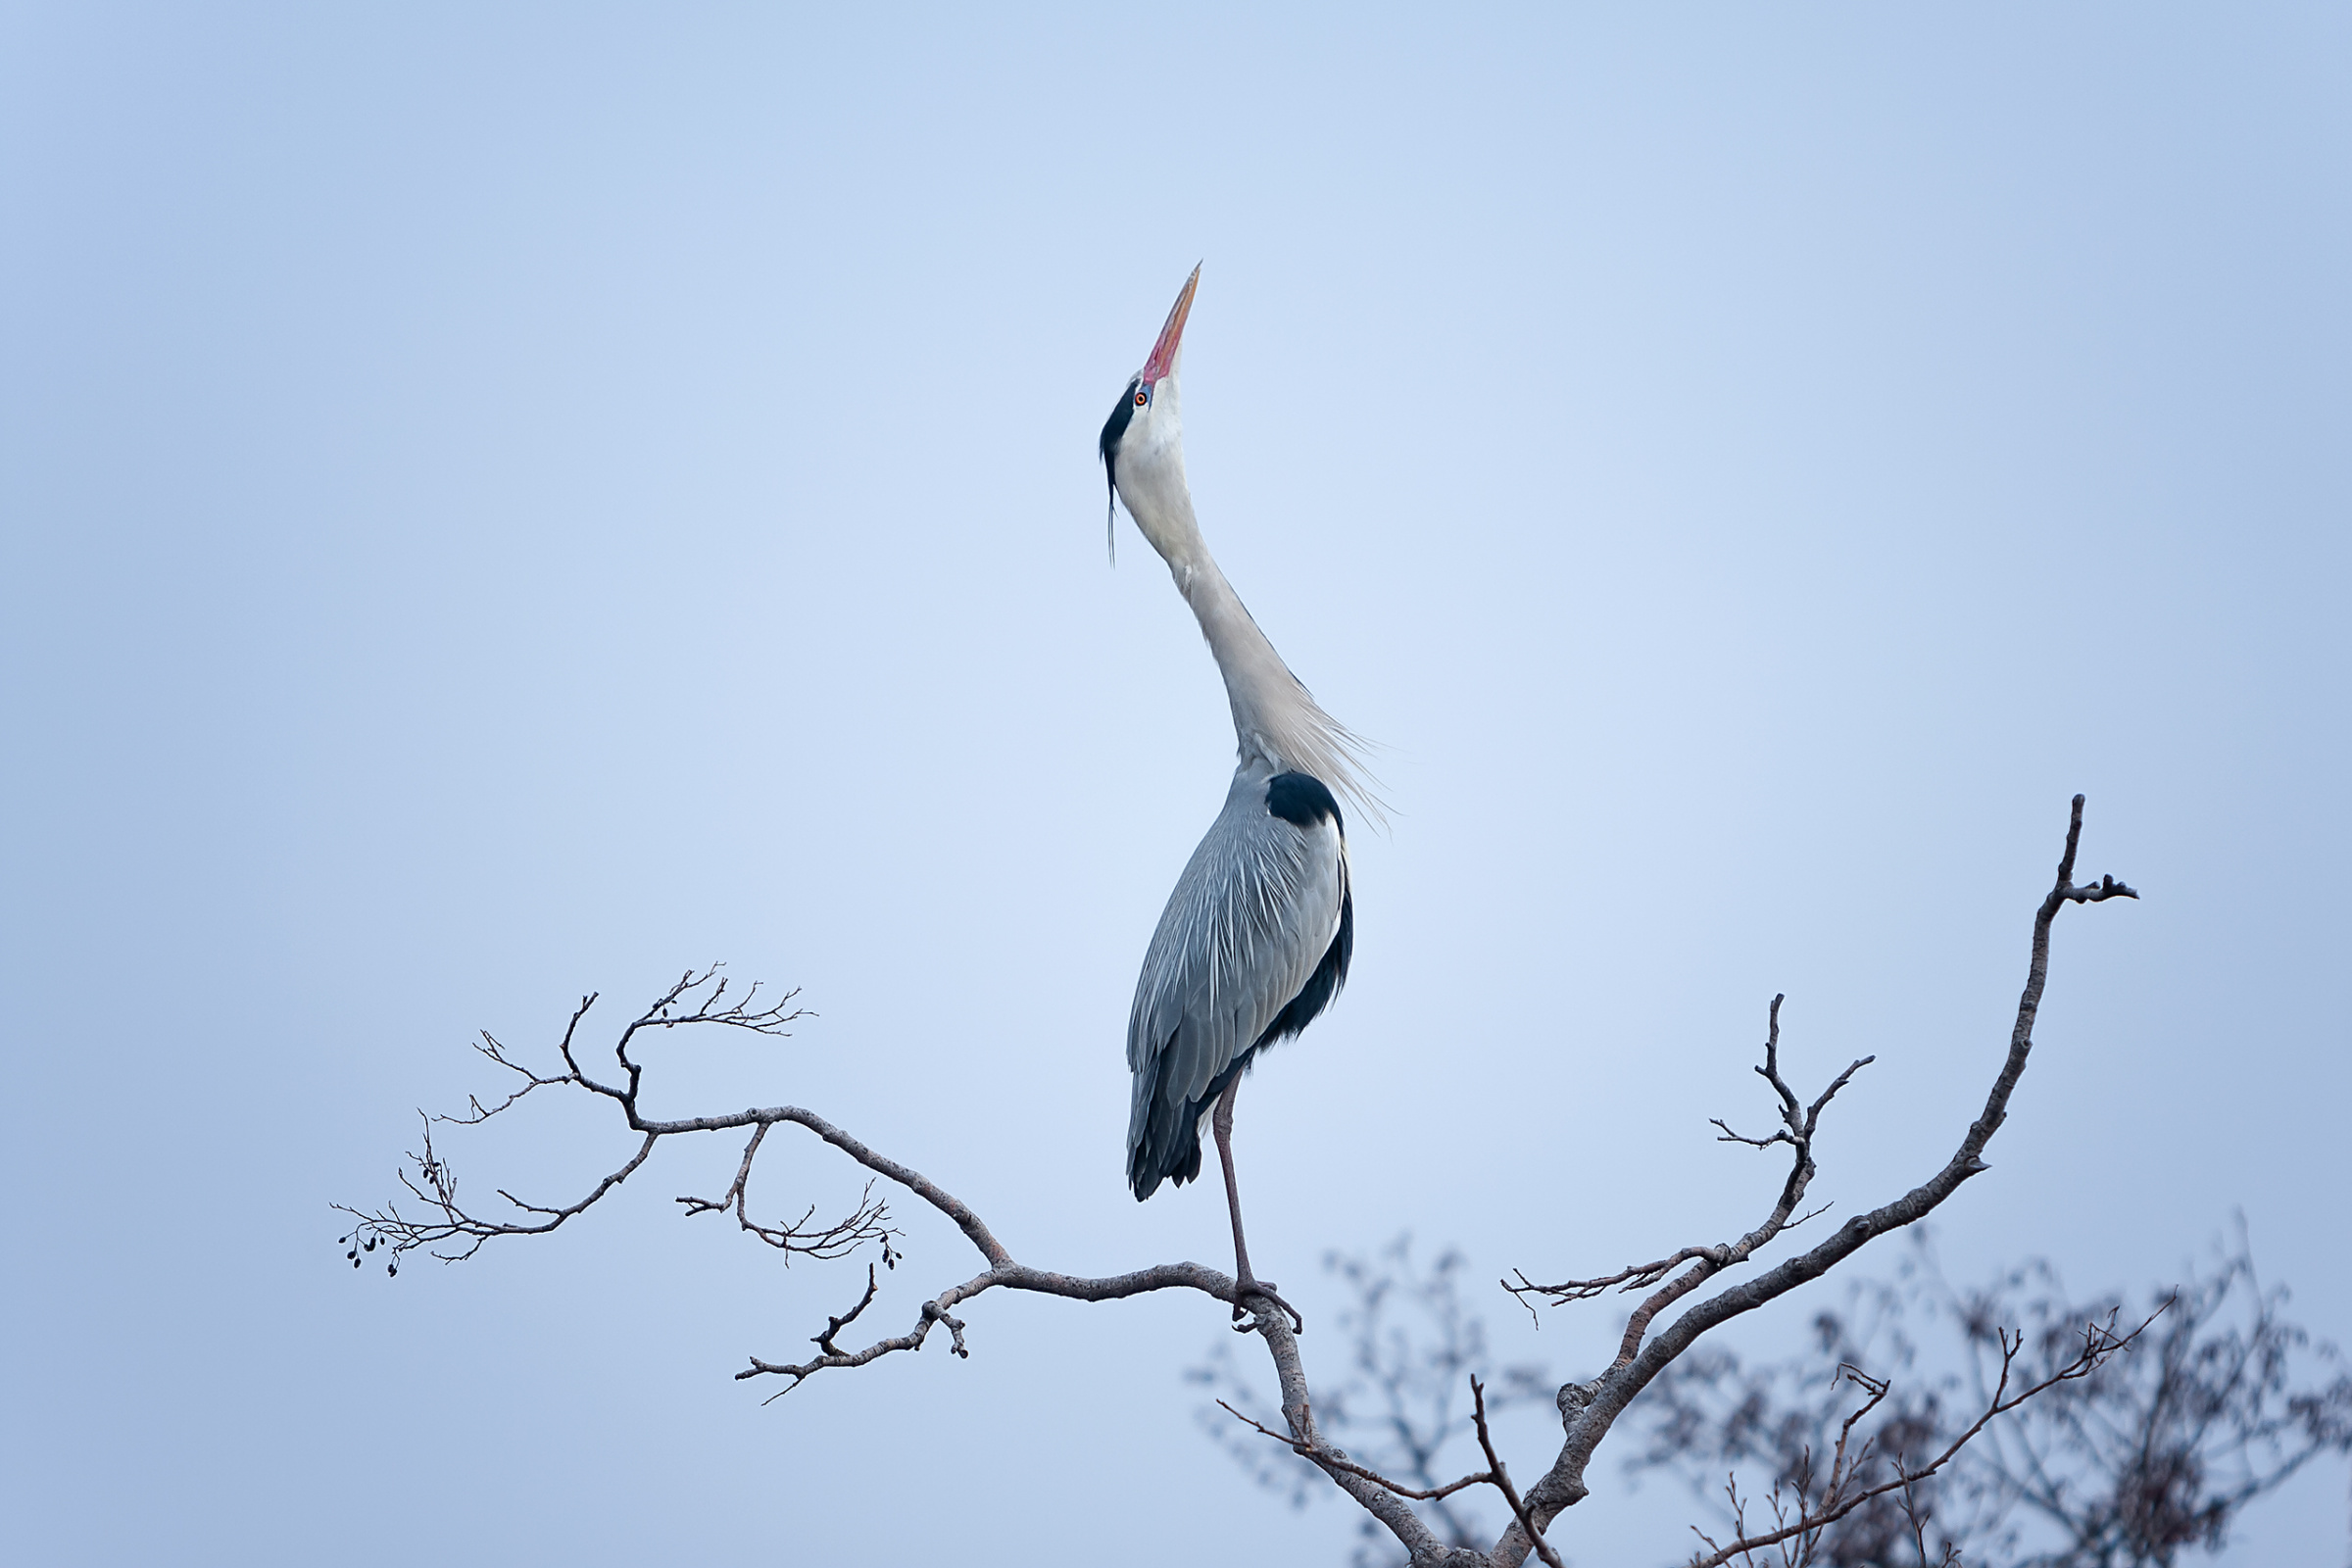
(1142, 444)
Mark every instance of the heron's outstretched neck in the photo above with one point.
(1276, 722)
(1268, 703)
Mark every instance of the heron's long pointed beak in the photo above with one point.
(1171, 336)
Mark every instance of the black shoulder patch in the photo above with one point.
(1302, 798)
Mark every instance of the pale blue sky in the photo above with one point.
(494, 505)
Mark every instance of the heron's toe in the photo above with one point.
(1264, 1289)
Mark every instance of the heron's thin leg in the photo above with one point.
(1221, 1122)
(1247, 1283)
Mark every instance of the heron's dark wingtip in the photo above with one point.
(1142, 1179)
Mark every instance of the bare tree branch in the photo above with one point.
(1495, 1474)
(1409, 1346)
(696, 998)
(1800, 1123)
(1843, 1496)
(1589, 1411)
(2222, 1401)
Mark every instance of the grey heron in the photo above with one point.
(1256, 938)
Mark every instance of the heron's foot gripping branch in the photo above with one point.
(1258, 1290)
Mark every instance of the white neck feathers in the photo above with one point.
(1277, 723)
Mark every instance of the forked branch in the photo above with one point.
(452, 1232)
(1799, 1122)
(1588, 1411)
(1494, 1475)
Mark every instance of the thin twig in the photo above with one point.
(1503, 1477)
(1332, 1457)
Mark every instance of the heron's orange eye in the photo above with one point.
(1141, 397)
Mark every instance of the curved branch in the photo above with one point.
(1010, 1276)
(1589, 1411)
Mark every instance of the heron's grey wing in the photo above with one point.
(1256, 910)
